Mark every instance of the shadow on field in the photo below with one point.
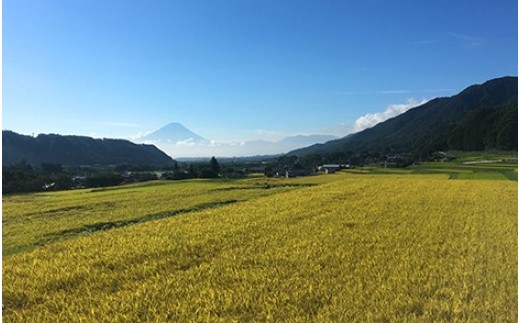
(102, 226)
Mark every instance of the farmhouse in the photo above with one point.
(49, 186)
(441, 156)
(330, 168)
(79, 181)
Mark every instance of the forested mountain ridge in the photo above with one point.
(481, 117)
(77, 150)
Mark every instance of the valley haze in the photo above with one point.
(178, 141)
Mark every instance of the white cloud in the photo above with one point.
(187, 142)
(139, 135)
(395, 91)
(371, 119)
(467, 39)
(425, 42)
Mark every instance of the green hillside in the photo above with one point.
(481, 117)
(77, 150)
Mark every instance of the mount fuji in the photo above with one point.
(173, 133)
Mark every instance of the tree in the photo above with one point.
(214, 165)
(208, 173)
(191, 172)
(104, 180)
(52, 169)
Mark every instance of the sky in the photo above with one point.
(242, 70)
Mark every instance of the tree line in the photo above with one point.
(22, 177)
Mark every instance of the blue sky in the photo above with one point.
(240, 70)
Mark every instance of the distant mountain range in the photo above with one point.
(77, 150)
(178, 141)
(481, 117)
(263, 147)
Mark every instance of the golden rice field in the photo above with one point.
(339, 248)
